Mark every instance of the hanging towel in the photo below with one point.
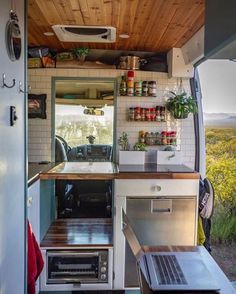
(200, 232)
(35, 261)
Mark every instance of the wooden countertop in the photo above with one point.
(108, 170)
(35, 168)
(74, 232)
(81, 170)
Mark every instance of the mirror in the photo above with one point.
(13, 37)
(84, 109)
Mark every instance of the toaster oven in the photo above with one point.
(77, 268)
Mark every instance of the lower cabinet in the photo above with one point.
(161, 212)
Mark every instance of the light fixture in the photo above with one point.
(48, 34)
(124, 36)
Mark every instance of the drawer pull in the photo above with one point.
(156, 188)
(161, 206)
(161, 210)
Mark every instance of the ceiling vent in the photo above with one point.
(95, 34)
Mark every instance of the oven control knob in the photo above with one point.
(103, 269)
(103, 277)
(104, 263)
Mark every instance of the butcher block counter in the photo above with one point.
(109, 171)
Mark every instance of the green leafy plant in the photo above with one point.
(180, 105)
(80, 52)
(140, 147)
(123, 141)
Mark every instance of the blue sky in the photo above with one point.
(218, 85)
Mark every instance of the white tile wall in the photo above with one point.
(40, 129)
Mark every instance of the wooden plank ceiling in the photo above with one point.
(153, 25)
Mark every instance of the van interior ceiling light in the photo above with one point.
(95, 34)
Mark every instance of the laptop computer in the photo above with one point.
(170, 271)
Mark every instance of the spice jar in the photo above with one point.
(143, 112)
(138, 88)
(130, 83)
(131, 113)
(173, 138)
(164, 138)
(123, 86)
(152, 88)
(158, 113)
(152, 114)
(142, 137)
(168, 138)
(137, 113)
(147, 114)
(157, 139)
(163, 113)
(145, 88)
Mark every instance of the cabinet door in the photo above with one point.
(33, 207)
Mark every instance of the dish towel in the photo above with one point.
(35, 261)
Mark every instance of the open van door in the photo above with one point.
(12, 150)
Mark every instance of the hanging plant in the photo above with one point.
(180, 105)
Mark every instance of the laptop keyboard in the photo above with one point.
(168, 270)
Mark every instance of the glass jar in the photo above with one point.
(131, 113)
(147, 114)
(138, 88)
(145, 88)
(123, 86)
(152, 88)
(143, 113)
(152, 114)
(142, 136)
(163, 113)
(130, 83)
(173, 138)
(157, 139)
(158, 113)
(164, 138)
(137, 114)
(168, 138)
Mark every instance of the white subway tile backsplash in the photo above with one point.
(40, 129)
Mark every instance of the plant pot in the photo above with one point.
(81, 58)
(132, 157)
(180, 116)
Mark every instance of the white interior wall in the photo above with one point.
(40, 129)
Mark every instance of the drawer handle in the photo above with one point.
(161, 210)
(156, 188)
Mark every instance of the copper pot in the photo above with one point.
(130, 62)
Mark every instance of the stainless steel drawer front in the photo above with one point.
(159, 221)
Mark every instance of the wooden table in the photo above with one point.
(224, 284)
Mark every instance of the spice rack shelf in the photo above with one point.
(148, 121)
(134, 96)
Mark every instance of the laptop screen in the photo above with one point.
(131, 237)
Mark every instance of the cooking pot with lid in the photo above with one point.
(130, 62)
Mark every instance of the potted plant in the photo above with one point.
(80, 53)
(180, 105)
(127, 156)
(140, 147)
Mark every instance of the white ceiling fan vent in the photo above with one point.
(95, 34)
